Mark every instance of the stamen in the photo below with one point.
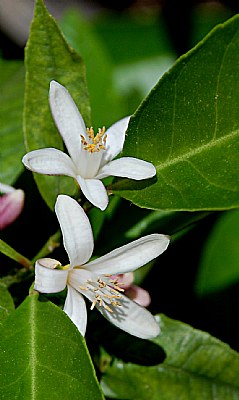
(116, 303)
(106, 293)
(83, 287)
(95, 143)
(93, 305)
(108, 308)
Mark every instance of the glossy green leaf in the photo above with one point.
(49, 57)
(11, 107)
(197, 366)
(6, 302)
(189, 128)
(106, 105)
(219, 266)
(169, 222)
(43, 356)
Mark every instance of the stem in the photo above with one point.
(14, 255)
(52, 243)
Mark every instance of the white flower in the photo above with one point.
(92, 279)
(90, 157)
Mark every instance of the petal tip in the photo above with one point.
(54, 84)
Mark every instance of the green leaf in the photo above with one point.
(197, 366)
(11, 107)
(99, 69)
(220, 258)
(6, 303)
(13, 254)
(43, 356)
(188, 127)
(169, 222)
(48, 57)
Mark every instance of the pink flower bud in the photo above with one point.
(139, 295)
(11, 205)
(136, 293)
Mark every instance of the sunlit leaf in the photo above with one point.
(197, 366)
(6, 302)
(189, 128)
(48, 57)
(11, 107)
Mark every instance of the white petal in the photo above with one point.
(128, 167)
(76, 230)
(4, 188)
(67, 118)
(75, 308)
(88, 164)
(132, 318)
(115, 140)
(94, 191)
(131, 256)
(49, 161)
(47, 278)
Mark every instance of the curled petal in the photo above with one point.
(48, 279)
(131, 256)
(115, 140)
(11, 205)
(94, 191)
(75, 308)
(132, 318)
(76, 230)
(49, 161)
(128, 167)
(67, 118)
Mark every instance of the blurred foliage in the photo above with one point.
(195, 281)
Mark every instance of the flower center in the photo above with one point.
(106, 292)
(94, 143)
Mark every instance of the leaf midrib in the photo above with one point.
(210, 380)
(196, 151)
(32, 356)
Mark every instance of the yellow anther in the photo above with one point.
(114, 296)
(83, 288)
(95, 143)
(116, 303)
(93, 304)
(99, 299)
(101, 283)
(108, 308)
(108, 296)
(90, 133)
(118, 288)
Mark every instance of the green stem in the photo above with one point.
(14, 255)
(52, 243)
